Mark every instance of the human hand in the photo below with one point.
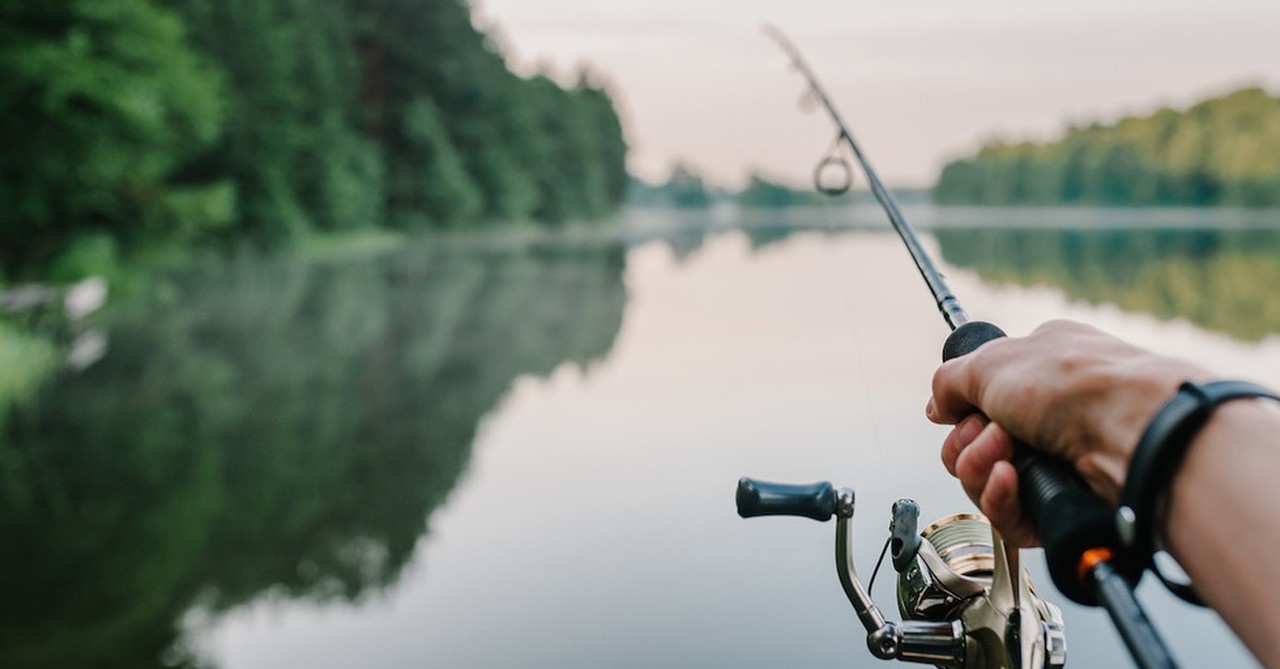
(1068, 389)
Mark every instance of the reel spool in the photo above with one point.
(963, 541)
(966, 561)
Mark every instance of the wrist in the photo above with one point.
(1222, 519)
(1209, 469)
(1194, 415)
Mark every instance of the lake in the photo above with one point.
(519, 449)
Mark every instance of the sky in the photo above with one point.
(919, 81)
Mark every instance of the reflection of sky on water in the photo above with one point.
(595, 525)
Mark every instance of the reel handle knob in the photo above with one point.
(1069, 517)
(762, 498)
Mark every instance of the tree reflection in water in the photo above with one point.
(270, 425)
(1222, 279)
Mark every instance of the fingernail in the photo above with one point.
(930, 409)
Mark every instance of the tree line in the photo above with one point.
(1222, 151)
(686, 188)
(212, 121)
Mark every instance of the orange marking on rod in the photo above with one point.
(1090, 559)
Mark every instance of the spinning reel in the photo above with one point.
(962, 596)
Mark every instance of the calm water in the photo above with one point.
(521, 451)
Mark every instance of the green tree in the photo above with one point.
(429, 182)
(763, 192)
(686, 188)
(1222, 151)
(104, 102)
(185, 121)
(292, 145)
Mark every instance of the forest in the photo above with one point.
(136, 124)
(1222, 151)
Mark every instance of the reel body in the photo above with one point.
(964, 601)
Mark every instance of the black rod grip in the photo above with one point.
(762, 498)
(1069, 517)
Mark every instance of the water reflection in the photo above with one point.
(282, 431)
(623, 549)
(270, 425)
(1222, 279)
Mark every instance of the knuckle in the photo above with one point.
(1057, 325)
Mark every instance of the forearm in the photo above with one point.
(1224, 520)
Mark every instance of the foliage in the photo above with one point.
(103, 102)
(429, 181)
(575, 136)
(687, 188)
(26, 360)
(764, 192)
(1222, 151)
(684, 189)
(465, 138)
(191, 121)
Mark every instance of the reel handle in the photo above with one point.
(1069, 517)
(762, 498)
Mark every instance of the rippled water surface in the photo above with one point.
(520, 451)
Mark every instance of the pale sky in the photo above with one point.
(918, 80)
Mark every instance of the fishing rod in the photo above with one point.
(963, 596)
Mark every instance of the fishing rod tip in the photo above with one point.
(773, 32)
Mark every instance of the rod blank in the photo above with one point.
(946, 300)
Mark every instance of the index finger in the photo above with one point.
(959, 384)
(954, 392)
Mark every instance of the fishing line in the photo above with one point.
(834, 266)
